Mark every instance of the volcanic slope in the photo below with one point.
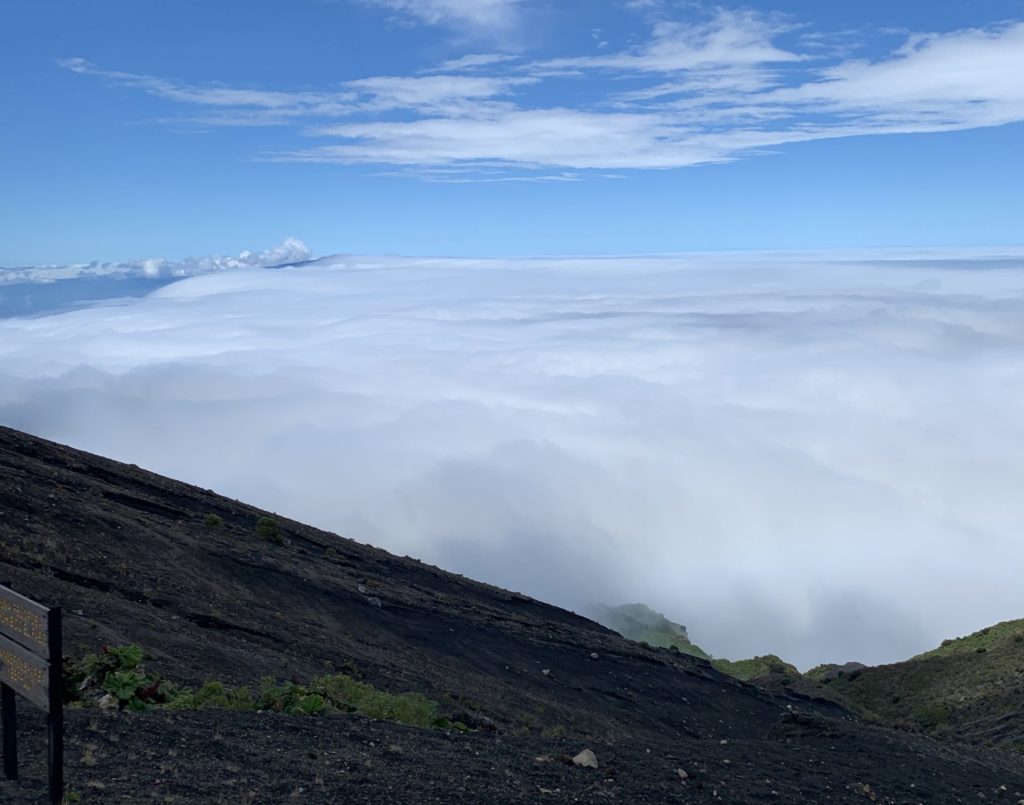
(137, 558)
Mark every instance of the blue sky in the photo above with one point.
(506, 127)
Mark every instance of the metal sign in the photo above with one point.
(31, 663)
(27, 673)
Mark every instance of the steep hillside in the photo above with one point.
(970, 688)
(640, 623)
(215, 589)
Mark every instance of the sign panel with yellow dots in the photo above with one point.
(31, 664)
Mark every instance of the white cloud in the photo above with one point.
(693, 93)
(958, 80)
(477, 14)
(814, 455)
(729, 38)
(535, 138)
(471, 61)
(291, 250)
(453, 95)
(245, 105)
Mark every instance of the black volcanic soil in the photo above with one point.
(130, 557)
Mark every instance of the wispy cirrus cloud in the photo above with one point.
(239, 105)
(530, 138)
(427, 94)
(476, 14)
(700, 90)
(728, 39)
(453, 95)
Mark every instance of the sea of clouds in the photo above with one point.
(819, 456)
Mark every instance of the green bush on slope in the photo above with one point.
(116, 677)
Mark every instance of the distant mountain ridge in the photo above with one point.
(969, 687)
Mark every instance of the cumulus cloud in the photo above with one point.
(813, 455)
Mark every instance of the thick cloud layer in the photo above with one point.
(818, 457)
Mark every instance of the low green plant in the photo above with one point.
(213, 520)
(345, 693)
(268, 529)
(214, 695)
(290, 698)
(118, 671)
(932, 717)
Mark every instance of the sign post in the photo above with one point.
(31, 664)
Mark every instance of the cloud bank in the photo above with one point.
(700, 87)
(289, 251)
(817, 456)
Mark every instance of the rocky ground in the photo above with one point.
(225, 757)
(137, 558)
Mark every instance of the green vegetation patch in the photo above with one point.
(756, 668)
(115, 678)
(979, 642)
(268, 529)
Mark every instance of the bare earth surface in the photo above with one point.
(131, 558)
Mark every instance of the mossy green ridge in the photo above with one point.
(983, 640)
(757, 668)
(640, 623)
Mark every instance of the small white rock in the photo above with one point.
(586, 759)
(109, 702)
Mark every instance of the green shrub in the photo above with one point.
(267, 528)
(345, 693)
(932, 717)
(311, 704)
(214, 696)
(284, 698)
(213, 520)
(116, 671)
